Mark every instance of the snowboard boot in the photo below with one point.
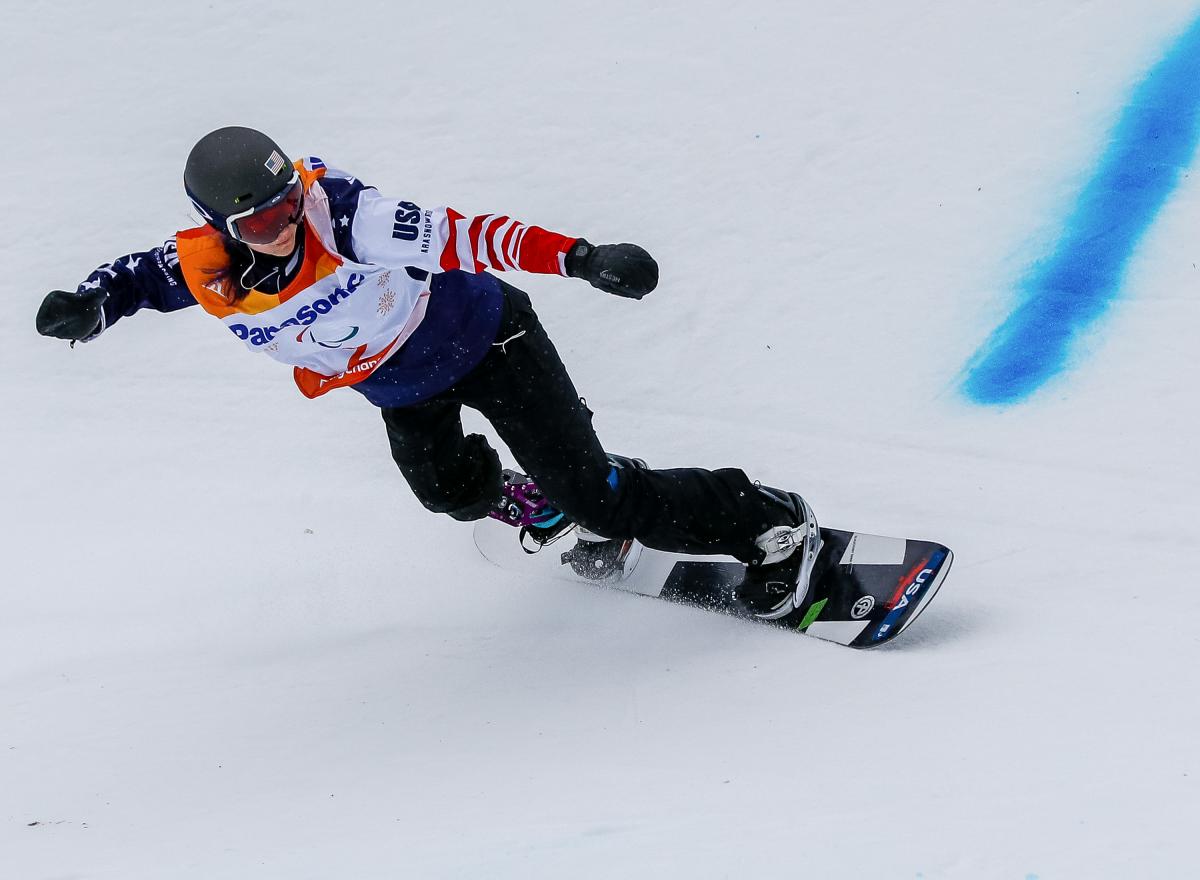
(777, 581)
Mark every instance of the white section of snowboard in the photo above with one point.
(841, 631)
(874, 550)
(499, 544)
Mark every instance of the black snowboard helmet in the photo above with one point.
(243, 184)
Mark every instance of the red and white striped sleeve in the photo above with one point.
(442, 239)
(496, 241)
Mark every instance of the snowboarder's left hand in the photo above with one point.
(623, 269)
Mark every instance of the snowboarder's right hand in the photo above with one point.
(66, 314)
(623, 269)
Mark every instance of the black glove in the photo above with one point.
(623, 269)
(70, 314)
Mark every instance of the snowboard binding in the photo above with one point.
(523, 505)
(601, 559)
(778, 582)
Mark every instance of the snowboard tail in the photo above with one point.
(865, 589)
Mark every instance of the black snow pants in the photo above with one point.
(523, 389)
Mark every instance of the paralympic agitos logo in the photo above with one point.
(304, 316)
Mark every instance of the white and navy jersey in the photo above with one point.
(449, 316)
(373, 228)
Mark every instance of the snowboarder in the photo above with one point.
(320, 271)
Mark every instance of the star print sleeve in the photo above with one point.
(399, 233)
(145, 280)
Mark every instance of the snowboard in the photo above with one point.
(865, 589)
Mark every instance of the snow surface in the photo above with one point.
(233, 645)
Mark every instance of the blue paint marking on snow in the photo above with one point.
(1153, 142)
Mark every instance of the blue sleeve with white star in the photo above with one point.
(342, 190)
(145, 280)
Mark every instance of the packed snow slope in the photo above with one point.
(234, 646)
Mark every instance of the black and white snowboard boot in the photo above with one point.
(777, 583)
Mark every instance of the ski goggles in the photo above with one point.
(263, 223)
